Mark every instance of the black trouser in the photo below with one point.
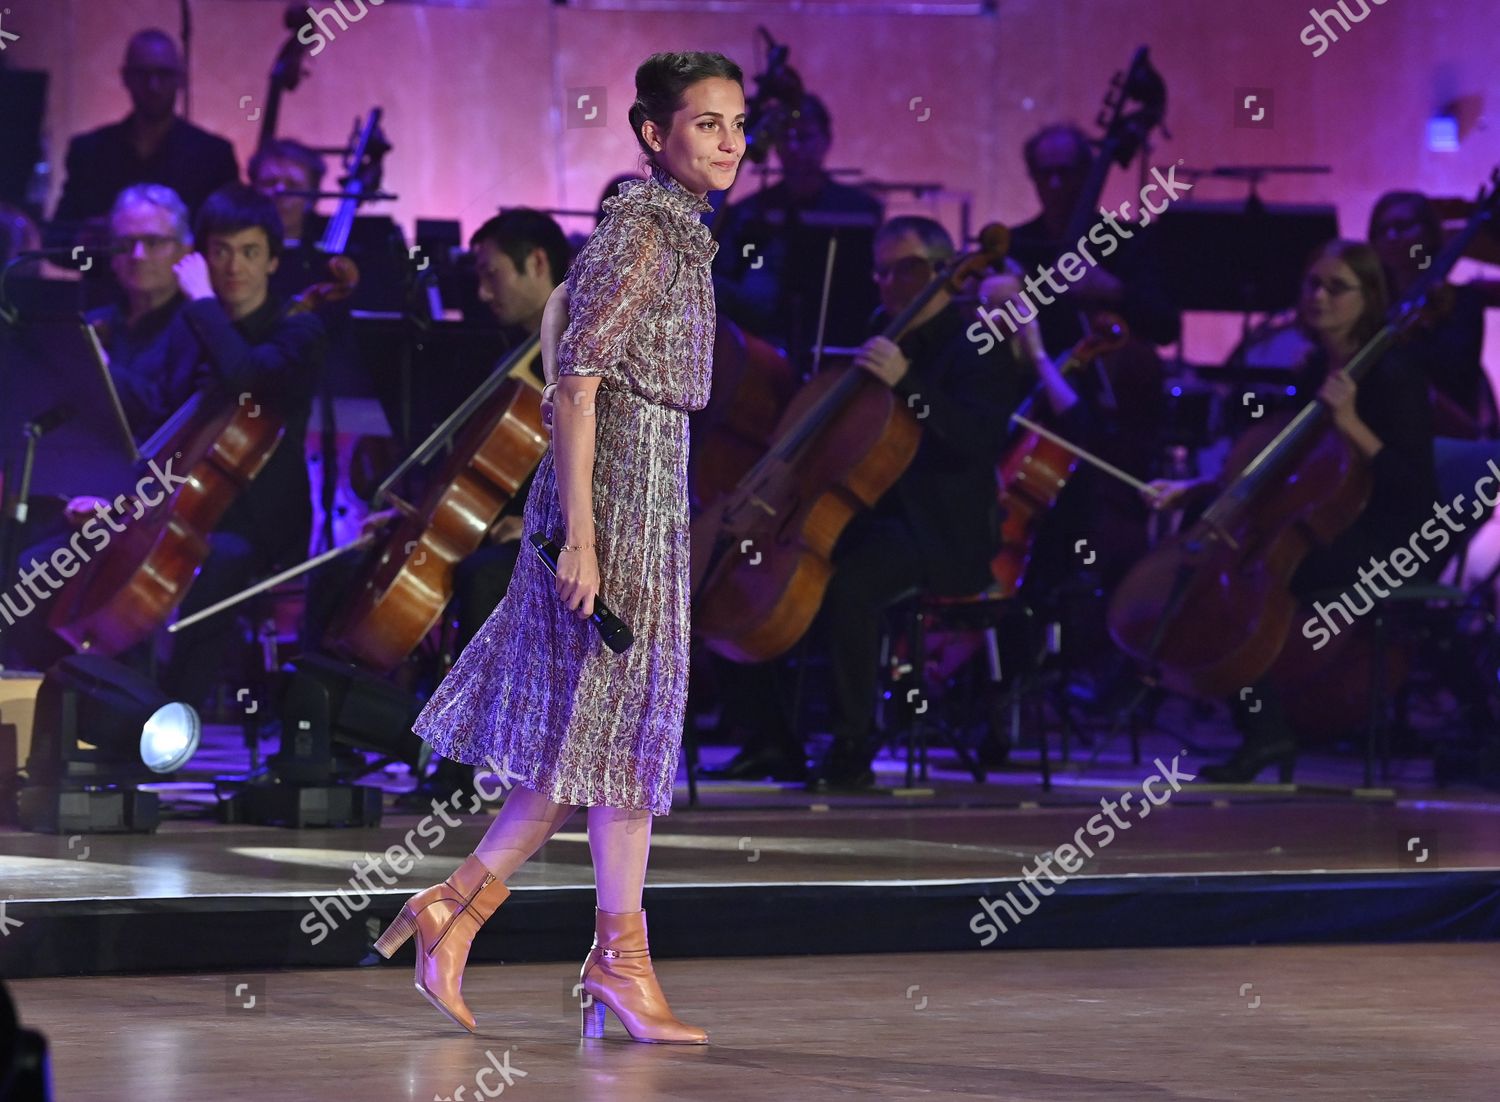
(27, 642)
(212, 649)
(875, 562)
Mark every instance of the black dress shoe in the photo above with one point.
(843, 770)
(755, 765)
(1250, 759)
(857, 780)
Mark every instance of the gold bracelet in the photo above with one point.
(577, 547)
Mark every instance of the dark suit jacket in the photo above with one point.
(947, 496)
(103, 163)
(272, 359)
(1146, 307)
(768, 272)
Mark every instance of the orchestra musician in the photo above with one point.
(520, 256)
(768, 274)
(935, 529)
(1128, 281)
(1406, 233)
(150, 225)
(233, 335)
(1122, 409)
(290, 173)
(152, 144)
(1387, 421)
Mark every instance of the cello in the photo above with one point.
(752, 383)
(124, 593)
(1034, 470)
(404, 586)
(1209, 610)
(761, 557)
(136, 582)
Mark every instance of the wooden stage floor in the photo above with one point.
(1329, 1022)
(753, 833)
(1301, 942)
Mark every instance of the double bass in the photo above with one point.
(1209, 610)
(761, 558)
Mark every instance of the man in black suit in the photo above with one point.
(1121, 395)
(935, 529)
(151, 145)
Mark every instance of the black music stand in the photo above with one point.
(63, 430)
(1240, 257)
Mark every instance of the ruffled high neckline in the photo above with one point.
(676, 209)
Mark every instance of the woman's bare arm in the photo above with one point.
(554, 325)
(573, 458)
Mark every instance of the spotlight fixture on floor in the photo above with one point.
(333, 714)
(100, 730)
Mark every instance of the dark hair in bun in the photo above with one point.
(660, 82)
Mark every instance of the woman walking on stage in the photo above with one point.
(536, 690)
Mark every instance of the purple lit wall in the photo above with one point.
(476, 93)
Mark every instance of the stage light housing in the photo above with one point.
(100, 729)
(333, 716)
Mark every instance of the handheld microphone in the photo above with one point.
(613, 630)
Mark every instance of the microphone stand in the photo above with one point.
(187, 60)
(17, 494)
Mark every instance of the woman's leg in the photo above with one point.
(446, 916)
(617, 973)
(620, 842)
(526, 820)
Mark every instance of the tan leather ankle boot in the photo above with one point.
(445, 918)
(618, 974)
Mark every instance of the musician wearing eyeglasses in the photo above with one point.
(152, 144)
(149, 227)
(935, 530)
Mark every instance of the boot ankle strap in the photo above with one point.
(624, 952)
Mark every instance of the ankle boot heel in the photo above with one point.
(444, 919)
(593, 1016)
(1287, 764)
(618, 975)
(397, 933)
